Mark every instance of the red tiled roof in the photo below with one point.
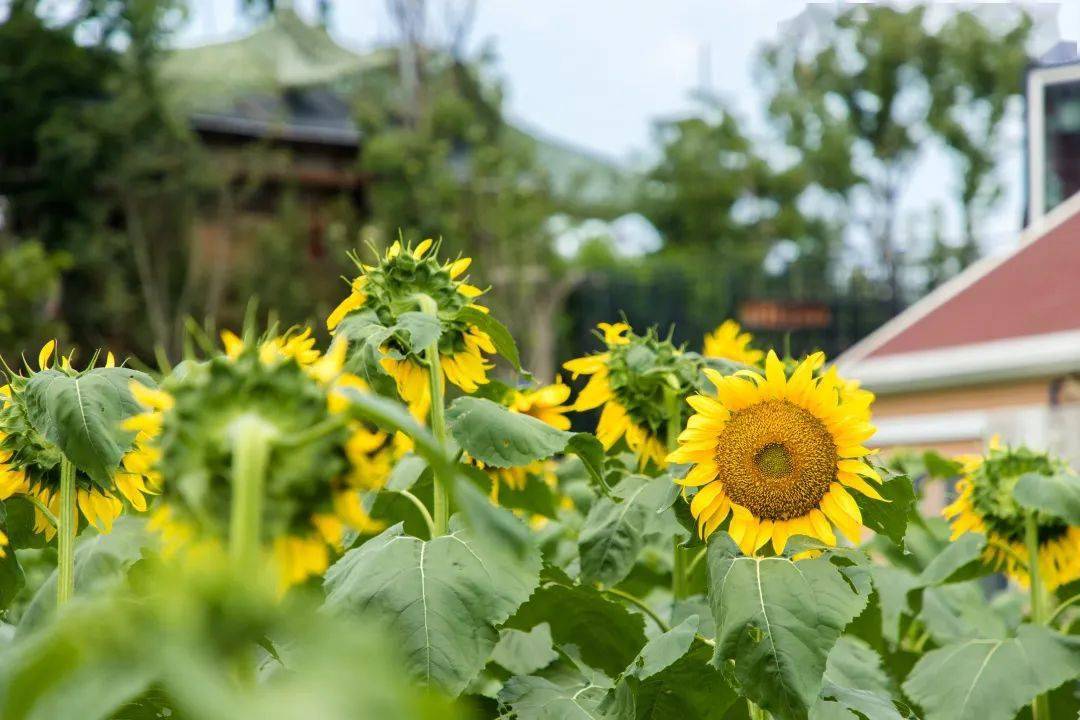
(1034, 291)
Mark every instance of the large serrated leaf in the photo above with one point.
(992, 679)
(617, 528)
(1056, 495)
(500, 438)
(889, 518)
(855, 682)
(442, 598)
(607, 635)
(81, 415)
(960, 611)
(101, 563)
(523, 653)
(664, 649)
(500, 336)
(537, 698)
(417, 330)
(690, 688)
(777, 620)
(958, 561)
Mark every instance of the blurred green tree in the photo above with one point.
(860, 105)
(445, 163)
(97, 166)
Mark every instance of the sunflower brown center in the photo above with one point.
(776, 459)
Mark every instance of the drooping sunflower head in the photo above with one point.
(985, 504)
(779, 451)
(319, 460)
(641, 381)
(394, 286)
(30, 457)
(729, 342)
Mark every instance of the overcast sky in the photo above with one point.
(596, 74)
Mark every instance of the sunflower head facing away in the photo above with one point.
(383, 292)
(779, 452)
(313, 479)
(640, 380)
(729, 342)
(30, 462)
(985, 504)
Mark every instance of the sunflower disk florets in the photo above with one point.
(779, 452)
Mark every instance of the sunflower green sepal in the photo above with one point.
(313, 459)
(633, 380)
(59, 414)
(385, 300)
(988, 501)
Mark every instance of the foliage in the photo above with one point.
(29, 292)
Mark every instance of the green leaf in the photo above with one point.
(617, 528)
(101, 563)
(664, 649)
(960, 611)
(893, 585)
(989, 679)
(536, 698)
(81, 415)
(777, 620)
(500, 336)
(12, 579)
(366, 335)
(591, 453)
(442, 598)
(500, 530)
(406, 472)
(608, 635)
(889, 518)
(1054, 495)
(855, 681)
(939, 466)
(688, 689)
(959, 561)
(417, 330)
(523, 653)
(500, 438)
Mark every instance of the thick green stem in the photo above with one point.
(66, 527)
(1040, 708)
(441, 493)
(252, 443)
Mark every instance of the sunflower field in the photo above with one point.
(379, 528)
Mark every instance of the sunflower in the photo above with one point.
(385, 291)
(312, 489)
(729, 342)
(30, 464)
(985, 504)
(778, 453)
(633, 380)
